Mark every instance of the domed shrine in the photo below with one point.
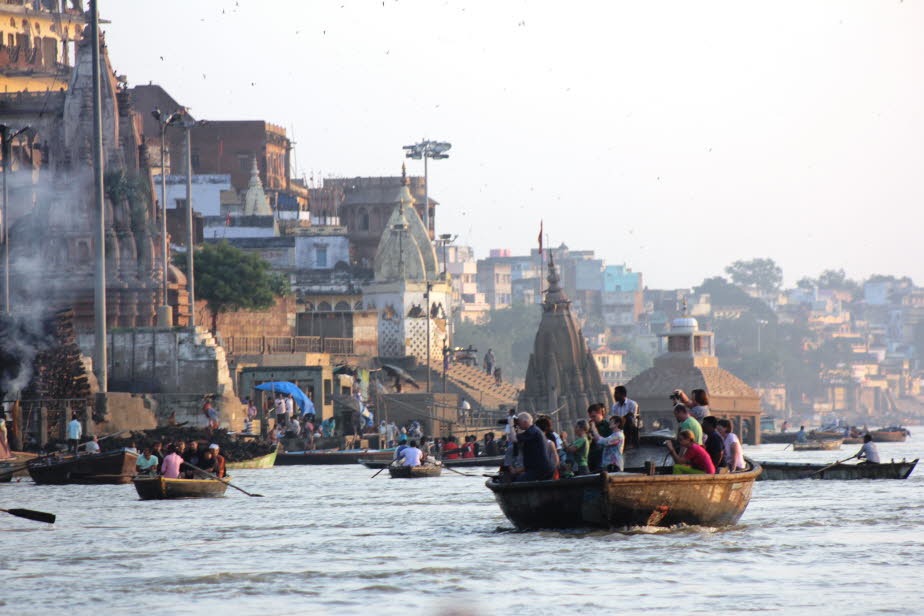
(687, 361)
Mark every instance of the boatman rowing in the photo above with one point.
(868, 451)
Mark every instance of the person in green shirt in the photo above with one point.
(595, 414)
(579, 448)
(685, 421)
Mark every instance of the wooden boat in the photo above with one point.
(817, 445)
(96, 468)
(889, 436)
(7, 469)
(153, 487)
(413, 472)
(796, 470)
(15, 466)
(777, 437)
(266, 461)
(463, 462)
(632, 498)
(820, 435)
(332, 456)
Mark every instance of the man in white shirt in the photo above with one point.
(280, 407)
(74, 432)
(290, 407)
(868, 451)
(412, 456)
(625, 407)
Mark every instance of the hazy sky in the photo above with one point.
(674, 137)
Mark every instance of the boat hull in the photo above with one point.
(817, 445)
(267, 461)
(157, 487)
(781, 471)
(332, 457)
(111, 467)
(886, 436)
(610, 500)
(415, 472)
(767, 438)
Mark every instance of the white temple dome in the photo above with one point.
(684, 325)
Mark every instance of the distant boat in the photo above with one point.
(817, 445)
(95, 468)
(332, 456)
(266, 461)
(777, 437)
(412, 472)
(796, 470)
(632, 498)
(889, 436)
(463, 462)
(157, 487)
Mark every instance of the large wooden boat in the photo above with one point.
(633, 498)
(154, 487)
(796, 470)
(15, 466)
(817, 445)
(266, 461)
(332, 456)
(889, 436)
(95, 468)
(482, 461)
(7, 469)
(777, 437)
(413, 472)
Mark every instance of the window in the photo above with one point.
(364, 221)
(244, 162)
(195, 161)
(320, 256)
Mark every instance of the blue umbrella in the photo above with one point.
(286, 387)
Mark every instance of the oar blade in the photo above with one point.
(29, 514)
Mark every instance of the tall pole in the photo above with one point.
(163, 222)
(5, 147)
(190, 251)
(102, 365)
(429, 286)
(426, 197)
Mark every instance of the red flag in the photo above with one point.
(221, 147)
(228, 220)
(540, 236)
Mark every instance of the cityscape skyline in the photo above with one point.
(730, 133)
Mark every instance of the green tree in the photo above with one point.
(764, 274)
(229, 279)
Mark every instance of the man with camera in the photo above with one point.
(532, 445)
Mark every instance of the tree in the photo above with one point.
(764, 274)
(837, 279)
(510, 332)
(229, 279)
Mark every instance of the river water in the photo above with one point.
(330, 540)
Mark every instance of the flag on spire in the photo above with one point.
(540, 236)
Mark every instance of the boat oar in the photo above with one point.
(449, 468)
(821, 470)
(29, 514)
(401, 461)
(786, 447)
(205, 472)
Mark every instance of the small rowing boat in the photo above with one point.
(797, 470)
(95, 468)
(157, 487)
(463, 462)
(266, 461)
(631, 498)
(817, 445)
(889, 436)
(414, 472)
(332, 456)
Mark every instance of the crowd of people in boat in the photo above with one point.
(181, 460)
(704, 444)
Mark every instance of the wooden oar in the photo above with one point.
(400, 461)
(449, 468)
(786, 447)
(205, 472)
(29, 514)
(821, 470)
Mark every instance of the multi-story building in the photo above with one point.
(494, 281)
(622, 298)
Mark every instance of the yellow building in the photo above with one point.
(37, 39)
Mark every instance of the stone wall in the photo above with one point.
(276, 321)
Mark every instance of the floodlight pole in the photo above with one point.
(102, 366)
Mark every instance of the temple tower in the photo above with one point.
(562, 374)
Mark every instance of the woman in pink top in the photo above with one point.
(170, 467)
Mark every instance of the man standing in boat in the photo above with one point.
(536, 463)
(628, 410)
(74, 432)
(868, 451)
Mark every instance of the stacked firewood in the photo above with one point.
(58, 370)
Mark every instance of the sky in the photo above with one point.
(673, 137)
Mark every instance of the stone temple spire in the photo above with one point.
(255, 201)
(555, 298)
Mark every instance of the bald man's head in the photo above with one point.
(524, 420)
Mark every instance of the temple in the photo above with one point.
(562, 376)
(688, 362)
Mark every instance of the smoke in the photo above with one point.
(22, 338)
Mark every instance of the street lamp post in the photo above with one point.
(427, 149)
(102, 357)
(427, 296)
(164, 317)
(444, 241)
(5, 139)
(188, 123)
(760, 324)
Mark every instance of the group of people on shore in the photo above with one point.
(181, 460)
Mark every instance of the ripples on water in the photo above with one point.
(330, 540)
